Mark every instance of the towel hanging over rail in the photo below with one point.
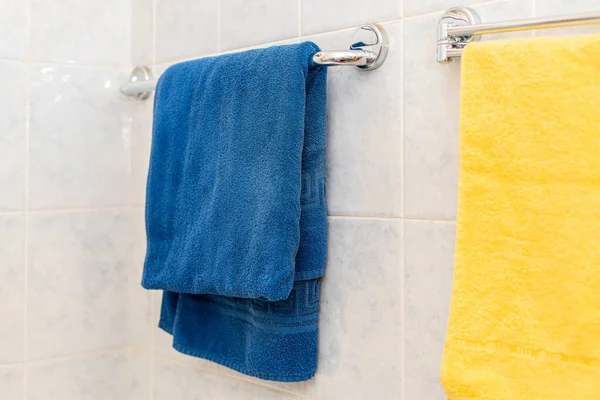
(459, 26)
(368, 51)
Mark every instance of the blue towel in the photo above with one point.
(236, 218)
(276, 341)
(238, 145)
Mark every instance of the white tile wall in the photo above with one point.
(186, 28)
(360, 327)
(65, 148)
(364, 148)
(80, 139)
(73, 159)
(94, 377)
(142, 32)
(323, 16)
(176, 381)
(245, 23)
(13, 87)
(91, 32)
(429, 252)
(414, 7)
(12, 289)
(13, 29)
(77, 282)
(11, 382)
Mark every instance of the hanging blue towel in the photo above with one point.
(236, 218)
(238, 144)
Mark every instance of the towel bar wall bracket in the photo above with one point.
(368, 51)
(450, 46)
(460, 26)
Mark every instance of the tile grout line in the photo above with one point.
(403, 225)
(25, 348)
(65, 64)
(227, 375)
(141, 207)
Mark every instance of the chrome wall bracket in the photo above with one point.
(141, 84)
(450, 46)
(368, 50)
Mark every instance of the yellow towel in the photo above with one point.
(525, 312)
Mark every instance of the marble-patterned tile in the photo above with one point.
(99, 377)
(140, 300)
(13, 87)
(77, 282)
(80, 134)
(91, 32)
(415, 7)
(364, 149)
(550, 8)
(429, 258)
(547, 8)
(11, 382)
(142, 32)
(185, 29)
(12, 276)
(431, 114)
(323, 16)
(13, 29)
(141, 139)
(139, 376)
(360, 326)
(245, 23)
(178, 381)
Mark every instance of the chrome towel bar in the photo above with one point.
(368, 51)
(459, 26)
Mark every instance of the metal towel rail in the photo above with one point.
(368, 51)
(460, 26)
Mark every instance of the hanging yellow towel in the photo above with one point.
(525, 312)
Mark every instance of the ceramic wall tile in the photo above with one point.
(141, 325)
(142, 32)
(91, 32)
(360, 327)
(11, 382)
(185, 29)
(323, 16)
(139, 376)
(141, 139)
(79, 149)
(364, 138)
(245, 23)
(550, 8)
(429, 253)
(12, 276)
(13, 29)
(98, 377)
(414, 7)
(13, 87)
(177, 381)
(77, 282)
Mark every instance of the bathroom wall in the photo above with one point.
(73, 159)
(65, 207)
(392, 188)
